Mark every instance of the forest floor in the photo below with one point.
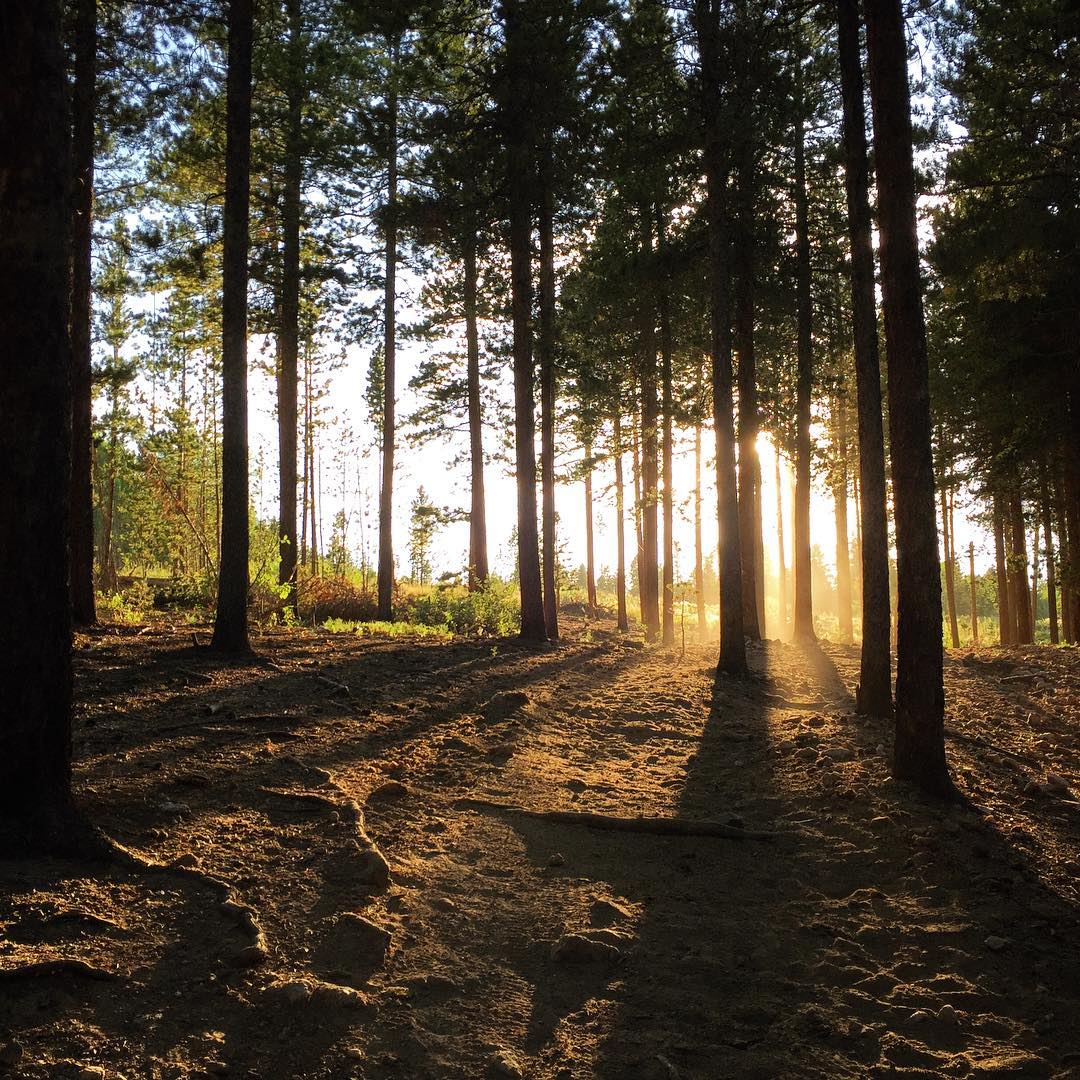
(872, 933)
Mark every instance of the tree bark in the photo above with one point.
(590, 553)
(843, 556)
(84, 107)
(620, 531)
(749, 473)
(950, 581)
(289, 330)
(1064, 549)
(699, 565)
(546, 349)
(974, 595)
(1019, 599)
(478, 553)
(36, 808)
(919, 749)
(1048, 539)
(873, 695)
(666, 346)
(803, 620)
(648, 569)
(231, 623)
(390, 229)
(1006, 625)
(517, 132)
(732, 659)
(781, 568)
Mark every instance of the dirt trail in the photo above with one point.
(873, 934)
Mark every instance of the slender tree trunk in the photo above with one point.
(36, 809)
(699, 565)
(666, 347)
(1018, 569)
(843, 557)
(231, 624)
(84, 102)
(620, 531)
(390, 227)
(478, 553)
(1048, 539)
(289, 331)
(781, 568)
(106, 571)
(803, 622)
(732, 658)
(1064, 550)
(648, 570)
(950, 582)
(974, 595)
(1006, 625)
(545, 343)
(518, 134)
(590, 554)
(1034, 582)
(873, 695)
(919, 749)
(749, 502)
(1071, 508)
(636, 464)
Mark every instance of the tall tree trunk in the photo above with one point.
(84, 102)
(636, 466)
(390, 228)
(666, 347)
(873, 695)
(749, 472)
(974, 595)
(36, 809)
(699, 565)
(478, 553)
(803, 621)
(781, 568)
(590, 553)
(289, 331)
(231, 624)
(1006, 624)
(518, 134)
(545, 343)
(732, 659)
(950, 581)
(919, 750)
(648, 569)
(843, 557)
(106, 571)
(1048, 539)
(1018, 568)
(620, 531)
(1064, 550)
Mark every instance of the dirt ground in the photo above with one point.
(869, 933)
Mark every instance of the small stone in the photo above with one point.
(295, 993)
(1032, 787)
(1055, 785)
(444, 903)
(91, 1072)
(807, 753)
(607, 912)
(579, 949)
(372, 870)
(880, 823)
(556, 859)
(251, 956)
(840, 753)
(216, 1068)
(392, 789)
(505, 704)
(947, 1014)
(919, 1016)
(187, 861)
(995, 943)
(504, 1067)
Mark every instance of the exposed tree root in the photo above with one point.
(655, 826)
(42, 969)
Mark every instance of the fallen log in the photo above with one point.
(654, 826)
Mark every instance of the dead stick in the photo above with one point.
(655, 826)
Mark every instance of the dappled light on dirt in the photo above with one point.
(835, 924)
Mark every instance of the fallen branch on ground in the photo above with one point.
(819, 703)
(983, 744)
(655, 826)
